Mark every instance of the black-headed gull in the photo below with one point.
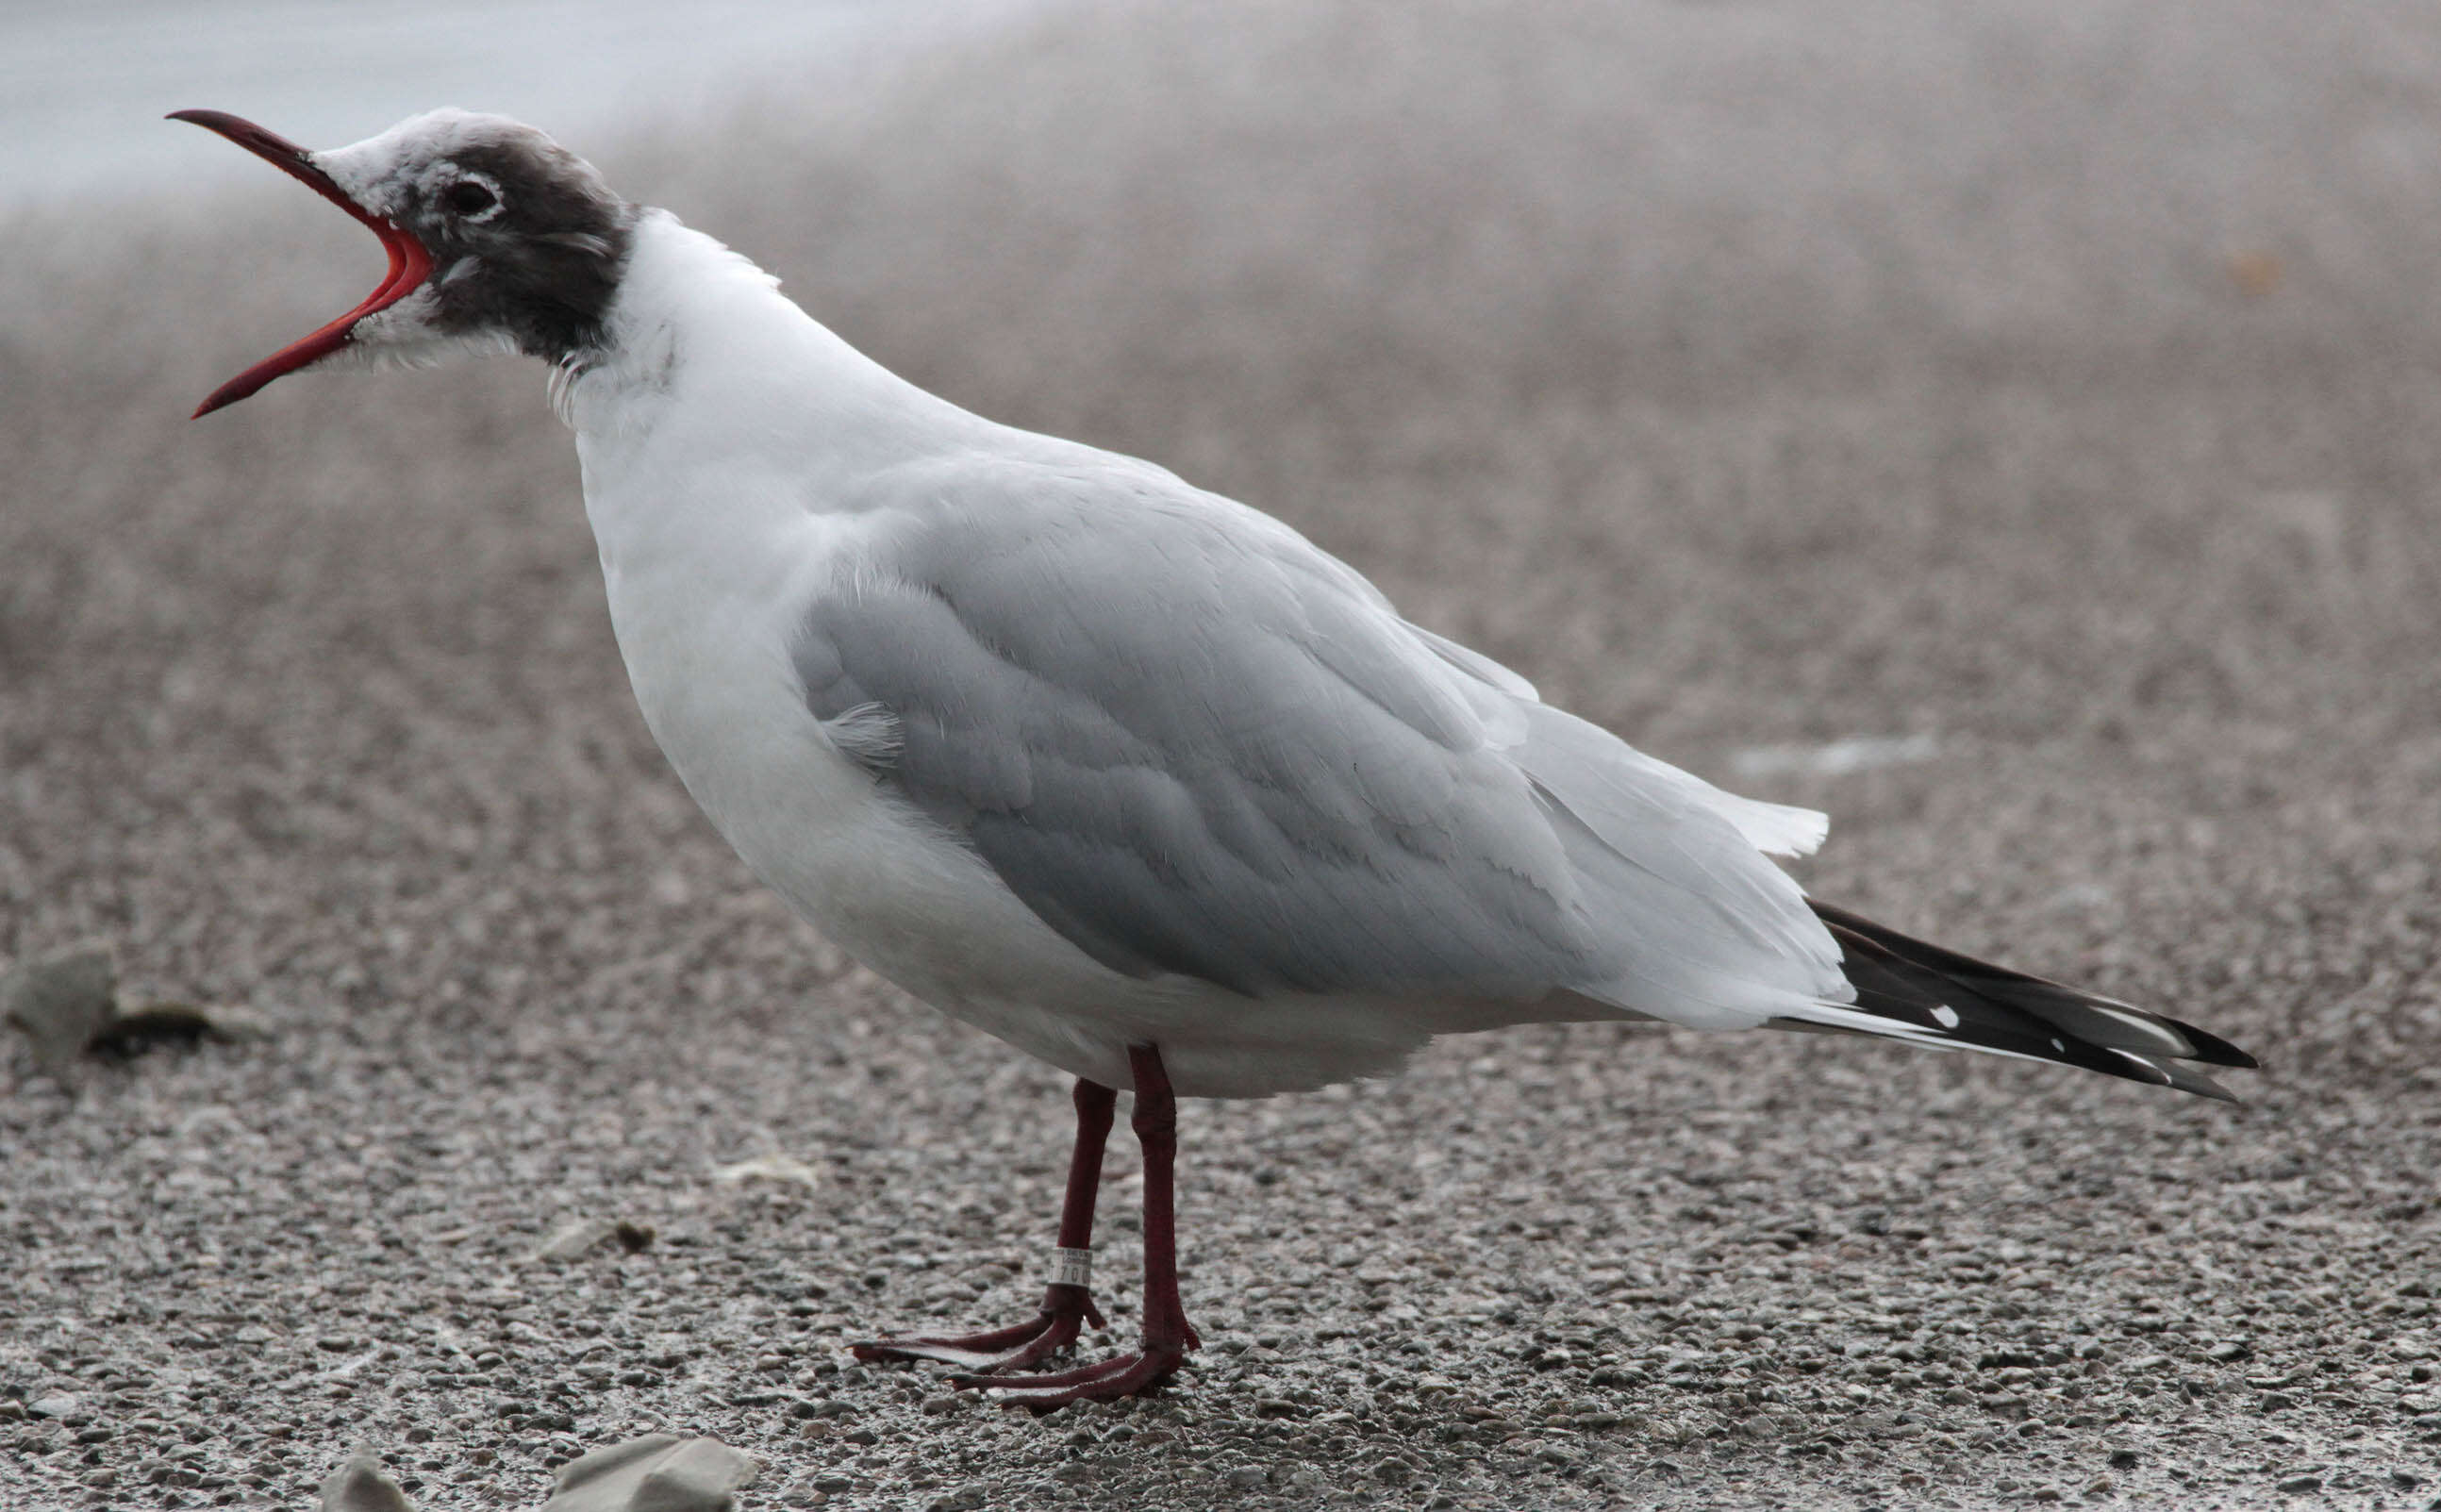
(1125, 773)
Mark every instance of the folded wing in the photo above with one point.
(1192, 742)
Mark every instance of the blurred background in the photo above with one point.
(2013, 426)
(81, 86)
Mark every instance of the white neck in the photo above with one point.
(716, 393)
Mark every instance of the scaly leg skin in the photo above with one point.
(1167, 1336)
(1065, 1307)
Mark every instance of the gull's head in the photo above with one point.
(499, 239)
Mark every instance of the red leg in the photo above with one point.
(1167, 1336)
(1065, 1307)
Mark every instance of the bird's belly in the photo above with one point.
(929, 916)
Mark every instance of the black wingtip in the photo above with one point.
(2187, 1079)
(1993, 1008)
(2214, 1050)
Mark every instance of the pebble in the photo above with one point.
(61, 1001)
(655, 1472)
(574, 1238)
(785, 1170)
(131, 1030)
(68, 1006)
(362, 1485)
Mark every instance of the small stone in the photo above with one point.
(832, 1484)
(58, 1405)
(574, 1238)
(69, 1006)
(1248, 1478)
(2099, 1485)
(2223, 1354)
(785, 1170)
(659, 1472)
(2123, 1459)
(359, 1485)
(174, 1023)
(2299, 1485)
(61, 1001)
(965, 1499)
(1394, 1472)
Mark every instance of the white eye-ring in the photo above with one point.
(471, 196)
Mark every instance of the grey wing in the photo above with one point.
(1183, 741)
(1192, 742)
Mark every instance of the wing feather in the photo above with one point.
(1193, 743)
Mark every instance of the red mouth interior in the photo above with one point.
(409, 263)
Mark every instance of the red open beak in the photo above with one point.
(409, 263)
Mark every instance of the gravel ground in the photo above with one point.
(2052, 392)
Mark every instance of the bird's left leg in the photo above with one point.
(1067, 1303)
(1167, 1336)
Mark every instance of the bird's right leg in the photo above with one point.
(1067, 1303)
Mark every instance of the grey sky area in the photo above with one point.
(82, 88)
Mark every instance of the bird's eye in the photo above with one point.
(469, 197)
